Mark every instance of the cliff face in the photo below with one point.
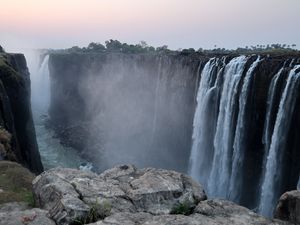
(118, 108)
(15, 111)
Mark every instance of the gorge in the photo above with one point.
(229, 121)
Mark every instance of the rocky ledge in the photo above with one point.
(125, 195)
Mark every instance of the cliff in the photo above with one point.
(15, 113)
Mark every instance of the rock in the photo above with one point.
(210, 212)
(13, 206)
(71, 195)
(28, 217)
(288, 207)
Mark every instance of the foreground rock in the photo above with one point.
(288, 207)
(28, 217)
(125, 195)
(72, 195)
(210, 212)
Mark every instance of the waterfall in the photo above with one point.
(239, 145)
(268, 128)
(221, 166)
(205, 121)
(272, 176)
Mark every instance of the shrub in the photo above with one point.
(185, 208)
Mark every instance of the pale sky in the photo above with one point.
(176, 23)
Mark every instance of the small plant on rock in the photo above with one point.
(97, 212)
(185, 208)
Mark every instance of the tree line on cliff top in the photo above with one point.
(143, 47)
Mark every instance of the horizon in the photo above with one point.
(175, 23)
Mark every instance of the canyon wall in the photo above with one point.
(18, 139)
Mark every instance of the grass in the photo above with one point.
(15, 183)
(186, 208)
(97, 212)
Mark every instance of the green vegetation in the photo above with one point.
(186, 208)
(15, 183)
(1, 49)
(97, 212)
(143, 47)
(114, 46)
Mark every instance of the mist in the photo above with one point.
(127, 107)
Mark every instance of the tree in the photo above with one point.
(96, 47)
(113, 45)
(74, 49)
(1, 49)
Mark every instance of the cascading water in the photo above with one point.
(238, 157)
(222, 138)
(221, 166)
(271, 109)
(53, 153)
(205, 117)
(273, 172)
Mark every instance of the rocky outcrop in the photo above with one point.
(210, 212)
(288, 207)
(125, 195)
(15, 112)
(72, 195)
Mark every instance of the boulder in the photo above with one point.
(288, 207)
(72, 195)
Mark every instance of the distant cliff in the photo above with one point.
(18, 142)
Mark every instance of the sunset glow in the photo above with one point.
(178, 23)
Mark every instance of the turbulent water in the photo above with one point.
(53, 153)
(222, 127)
